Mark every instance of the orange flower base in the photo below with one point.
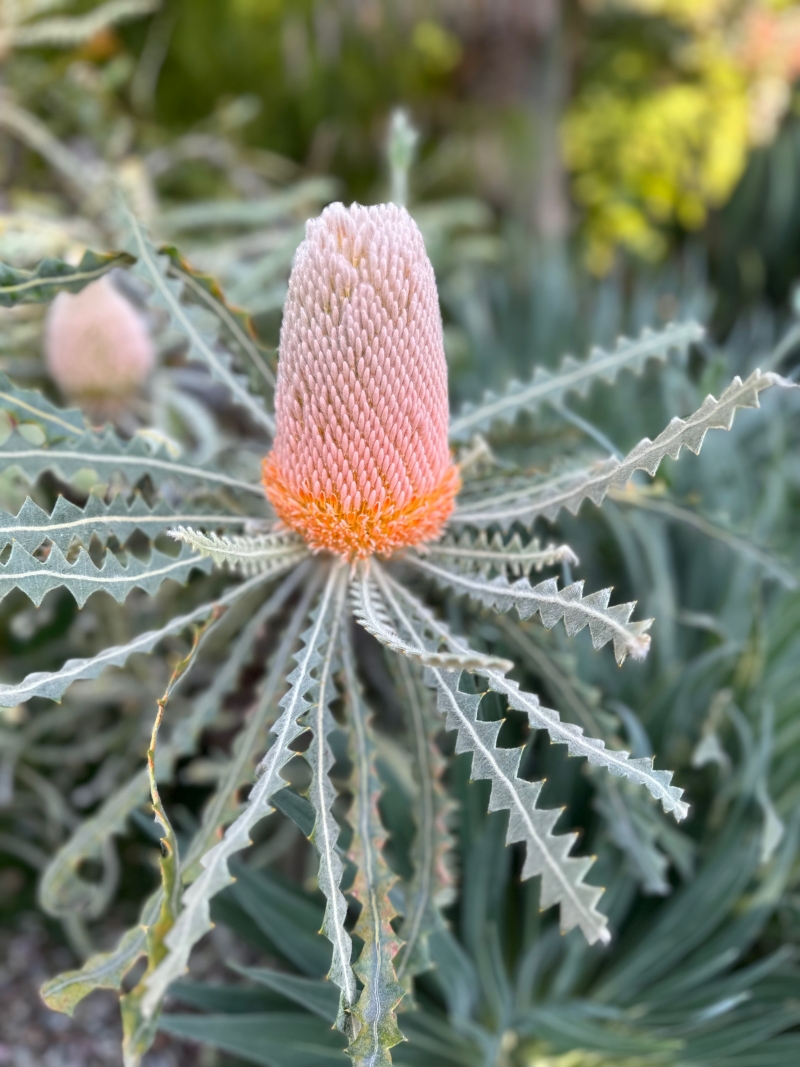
(325, 526)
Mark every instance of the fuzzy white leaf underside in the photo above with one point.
(264, 554)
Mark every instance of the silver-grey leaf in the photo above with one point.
(574, 377)
(546, 497)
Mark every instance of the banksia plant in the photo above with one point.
(98, 349)
(369, 491)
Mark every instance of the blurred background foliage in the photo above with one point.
(583, 169)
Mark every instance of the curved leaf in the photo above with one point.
(574, 377)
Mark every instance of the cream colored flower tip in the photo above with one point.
(96, 343)
(361, 461)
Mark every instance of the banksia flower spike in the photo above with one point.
(97, 347)
(360, 467)
(361, 462)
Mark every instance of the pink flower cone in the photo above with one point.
(97, 346)
(361, 462)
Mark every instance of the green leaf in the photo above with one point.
(32, 526)
(193, 323)
(289, 918)
(53, 276)
(82, 578)
(52, 684)
(320, 998)
(374, 1022)
(271, 1039)
(28, 405)
(546, 497)
(107, 453)
(230, 999)
(574, 377)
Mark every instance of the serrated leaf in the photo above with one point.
(27, 405)
(53, 276)
(552, 605)
(431, 886)
(548, 496)
(325, 836)
(223, 806)
(477, 553)
(371, 614)
(574, 377)
(375, 1023)
(36, 578)
(194, 323)
(32, 526)
(107, 453)
(52, 684)
(547, 855)
(262, 554)
(194, 920)
(61, 890)
(615, 761)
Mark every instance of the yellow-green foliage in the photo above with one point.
(658, 133)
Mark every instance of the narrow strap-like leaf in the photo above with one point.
(547, 854)
(574, 377)
(194, 920)
(547, 497)
(553, 604)
(617, 762)
(371, 614)
(32, 526)
(53, 276)
(107, 453)
(375, 1023)
(191, 321)
(52, 684)
(261, 554)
